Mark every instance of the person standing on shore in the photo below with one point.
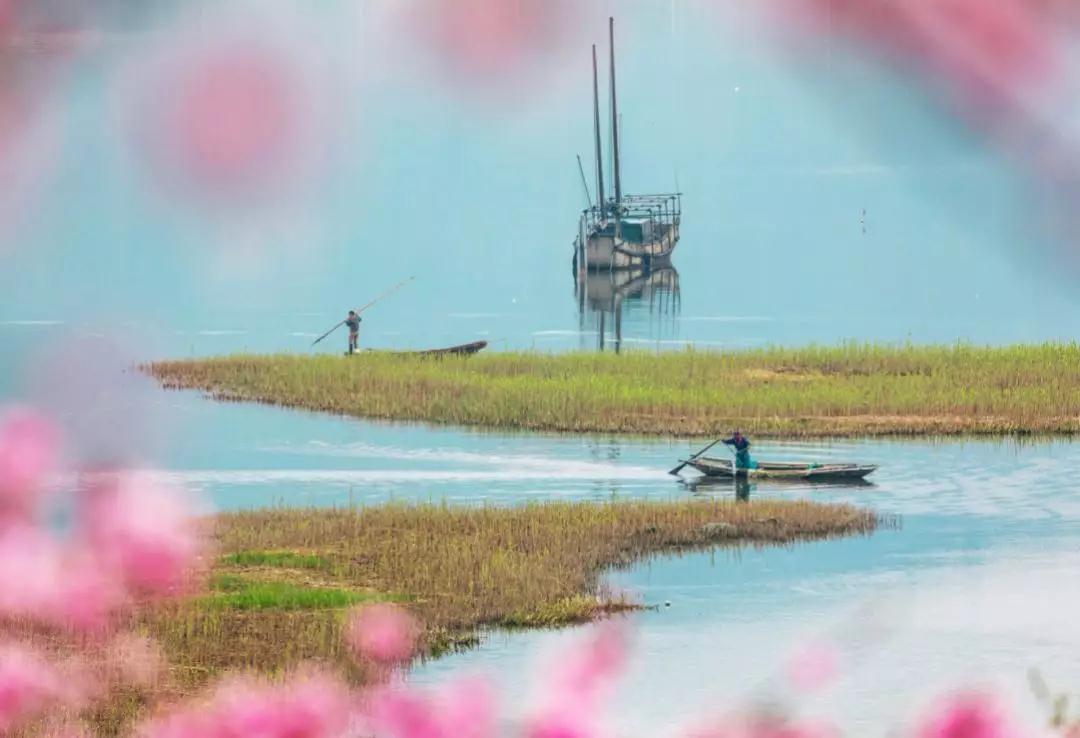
(353, 322)
(742, 450)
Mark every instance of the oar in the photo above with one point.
(679, 468)
(395, 288)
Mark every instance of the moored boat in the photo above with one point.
(713, 467)
(622, 231)
(463, 349)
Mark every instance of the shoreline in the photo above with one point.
(838, 392)
(290, 574)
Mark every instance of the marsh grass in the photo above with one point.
(279, 589)
(460, 570)
(853, 389)
(240, 593)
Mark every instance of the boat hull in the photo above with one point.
(604, 251)
(464, 349)
(783, 470)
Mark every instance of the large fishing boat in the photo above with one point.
(622, 231)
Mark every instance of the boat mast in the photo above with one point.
(614, 117)
(596, 130)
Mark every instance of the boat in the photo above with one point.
(781, 470)
(623, 231)
(464, 349)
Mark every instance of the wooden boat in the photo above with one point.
(622, 231)
(780, 470)
(464, 349)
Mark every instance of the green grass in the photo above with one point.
(239, 593)
(277, 559)
(267, 608)
(852, 389)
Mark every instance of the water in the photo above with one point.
(820, 204)
(979, 583)
(805, 217)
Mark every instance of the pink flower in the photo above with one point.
(385, 634)
(968, 715)
(813, 666)
(28, 444)
(54, 582)
(28, 684)
(307, 706)
(578, 683)
(462, 709)
(762, 726)
(143, 530)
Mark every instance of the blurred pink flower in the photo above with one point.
(142, 529)
(385, 634)
(493, 44)
(813, 666)
(762, 725)
(578, 682)
(226, 119)
(306, 706)
(54, 582)
(28, 446)
(464, 708)
(968, 715)
(28, 685)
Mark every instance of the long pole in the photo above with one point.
(584, 182)
(679, 468)
(614, 116)
(596, 131)
(388, 292)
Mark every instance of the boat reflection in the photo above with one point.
(648, 301)
(722, 486)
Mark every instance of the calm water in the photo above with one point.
(980, 583)
(821, 203)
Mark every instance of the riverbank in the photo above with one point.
(282, 580)
(851, 390)
(284, 576)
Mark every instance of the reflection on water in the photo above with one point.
(741, 487)
(648, 301)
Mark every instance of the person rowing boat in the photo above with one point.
(742, 450)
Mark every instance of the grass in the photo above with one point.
(853, 389)
(284, 577)
(239, 593)
(279, 588)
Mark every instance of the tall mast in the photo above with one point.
(614, 116)
(596, 129)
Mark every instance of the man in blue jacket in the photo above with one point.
(742, 450)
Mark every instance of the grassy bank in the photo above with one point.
(282, 580)
(846, 390)
(284, 577)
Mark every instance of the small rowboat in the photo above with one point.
(712, 467)
(460, 350)
(464, 349)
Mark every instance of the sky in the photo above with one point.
(826, 198)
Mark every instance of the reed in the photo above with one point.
(460, 570)
(852, 389)
(282, 580)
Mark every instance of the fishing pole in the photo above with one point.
(393, 289)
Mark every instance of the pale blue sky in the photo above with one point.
(477, 195)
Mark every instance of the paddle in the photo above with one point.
(395, 288)
(679, 468)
